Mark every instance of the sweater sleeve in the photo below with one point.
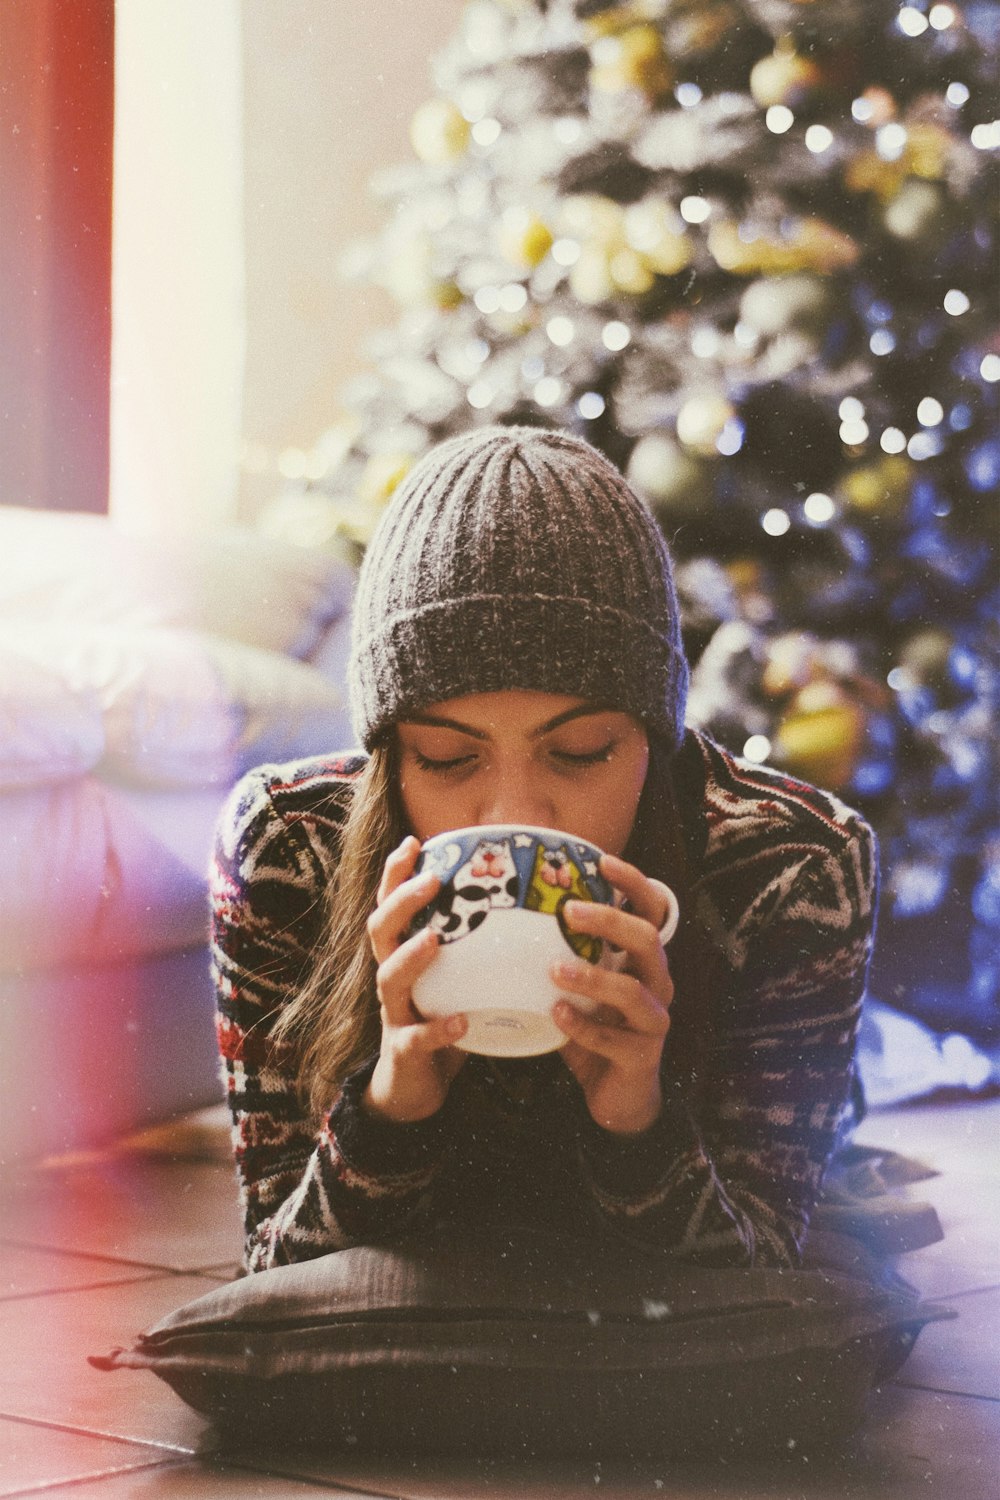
(737, 1185)
(303, 1192)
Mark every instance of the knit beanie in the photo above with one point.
(516, 557)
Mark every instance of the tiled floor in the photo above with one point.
(98, 1248)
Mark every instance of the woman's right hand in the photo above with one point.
(418, 1059)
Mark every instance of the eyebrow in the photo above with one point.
(438, 721)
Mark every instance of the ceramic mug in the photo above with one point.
(499, 914)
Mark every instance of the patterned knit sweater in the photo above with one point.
(783, 878)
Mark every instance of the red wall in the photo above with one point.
(56, 122)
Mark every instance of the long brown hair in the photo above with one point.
(333, 1024)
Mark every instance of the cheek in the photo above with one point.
(621, 800)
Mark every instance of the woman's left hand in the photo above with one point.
(614, 1051)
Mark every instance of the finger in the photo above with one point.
(398, 867)
(397, 974)
(637, 936)
(622, 994)
(646, 897)
(432, 1036)
(390, 921)
(616, 1044)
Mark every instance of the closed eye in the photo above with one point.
(427, 764)
(585, 757)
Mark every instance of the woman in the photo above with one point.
(517, 658)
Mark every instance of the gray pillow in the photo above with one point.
(528, 1344)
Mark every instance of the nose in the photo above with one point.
(514, 796)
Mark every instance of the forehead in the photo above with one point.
(513, 711)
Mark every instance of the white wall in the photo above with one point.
(330, 87)
(246, 133)
(177, 252)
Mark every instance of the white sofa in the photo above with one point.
(139, 677)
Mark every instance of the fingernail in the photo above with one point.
(455, 1025)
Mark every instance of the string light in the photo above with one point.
(513, 297)
(986, 136)
(705, 343)
(892, 440)
(616, 336)
(480, 394)
(757, 748)
(565, 252)
(956, 303)
(590, 405)
(694, 210)
(819, 508)
(930, 412)
(775, 522)
(818, 138)
(881, 342)
(957, 94)
(924, 445)
(941, 17)
(487, 299)
(687, 95)
(561, 331)
(549, 391)
(486, 132)
(911, 22)
(567, 129)
(890, 141)
(778, 119)
(990, 369)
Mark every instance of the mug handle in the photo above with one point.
(669, 924)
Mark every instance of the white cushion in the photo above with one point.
(80, 569)
(48, 732)
(184, 708)
(83, 880)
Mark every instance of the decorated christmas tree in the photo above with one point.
(749, 249)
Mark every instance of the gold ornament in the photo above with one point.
(590, 279)
(925, 657)
(918, 209)
(784, 77)
(665, 475)
(630, 272)
(439, 132)
(633, 58)
(659, 236)
(792, 662)
(882, 486)
(701, 420)
(811, 245)
(381, 474)
(821, 736)
(925, 155)
(525, 240)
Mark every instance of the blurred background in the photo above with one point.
(256, 258)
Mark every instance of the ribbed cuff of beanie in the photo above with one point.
(376, 1147)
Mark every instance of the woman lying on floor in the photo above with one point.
(517, 658)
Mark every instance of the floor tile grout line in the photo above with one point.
(96, 1432)
(272, 1471)
(938, 1390)
(51, 1486)
(88, 1286)
(115, 1260)
(972, 1291)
